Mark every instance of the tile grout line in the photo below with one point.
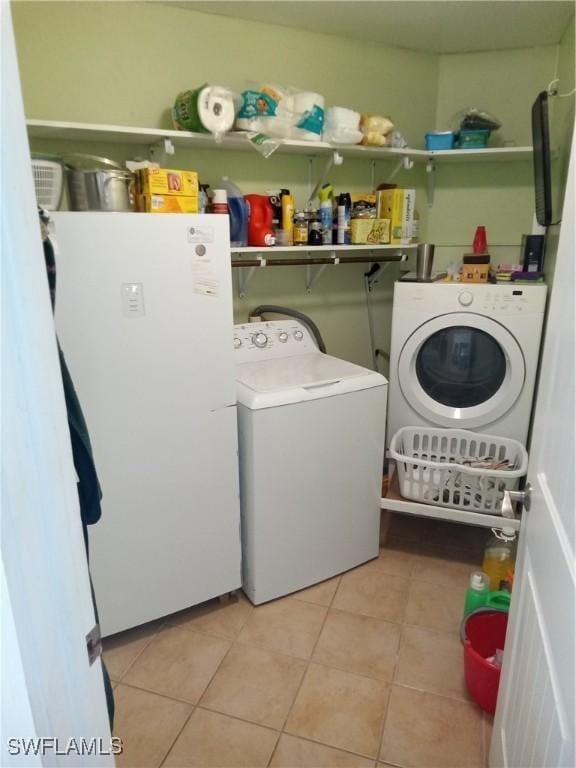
(140, 652)
(383, 725)
(197, 705)
(282, 730)
(173, 742)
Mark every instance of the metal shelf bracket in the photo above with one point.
(161, 150)
(246, 274)
(431, 181)
(334, 159)
(405, 164)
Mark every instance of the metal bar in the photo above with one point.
(448, 513)
(298, 262)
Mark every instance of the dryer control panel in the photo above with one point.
(494, 300)
(267, 340)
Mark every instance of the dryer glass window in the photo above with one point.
(460, 366)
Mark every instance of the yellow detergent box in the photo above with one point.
(398, 206)
(168, 203)
(370, 231)
(165, 181)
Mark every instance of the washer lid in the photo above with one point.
(269, 383)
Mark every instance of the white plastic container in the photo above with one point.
(48, 182)
(431, 467)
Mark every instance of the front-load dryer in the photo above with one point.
(465, 356)
(311, 447)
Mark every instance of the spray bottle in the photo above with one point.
(325, 196)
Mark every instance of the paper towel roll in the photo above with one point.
(208, 109)
(216, 109)
(261, 111)
(309, 111)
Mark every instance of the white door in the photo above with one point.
(49, 688)
(534, 724)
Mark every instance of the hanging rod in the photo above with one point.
(318, 260)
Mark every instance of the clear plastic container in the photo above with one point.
(500, 556)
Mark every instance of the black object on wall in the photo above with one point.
(542, 160)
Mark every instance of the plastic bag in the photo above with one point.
(281, 112)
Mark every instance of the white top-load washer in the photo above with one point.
(465, 356)
(311, 444)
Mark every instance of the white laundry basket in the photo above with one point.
(431, 467)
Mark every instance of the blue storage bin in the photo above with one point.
(440, 140)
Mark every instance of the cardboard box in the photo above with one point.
(475, 273)
(370, 231)
(398, 206)
(168, 203)
(165, 181)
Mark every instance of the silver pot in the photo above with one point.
(105, 188)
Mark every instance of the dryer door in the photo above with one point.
(461, 370)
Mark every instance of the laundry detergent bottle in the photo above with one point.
(238, 210)
(500, 556)
(260, 222)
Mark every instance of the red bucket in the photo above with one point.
(483, 634)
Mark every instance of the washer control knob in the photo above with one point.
(298, 335)
(465, 298)
(237, 342)
(283, 337)
(260, 340)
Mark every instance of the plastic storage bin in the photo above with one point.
(483, 633)
(440, 140)
(48, 182)
(473, 139)
(432, 469)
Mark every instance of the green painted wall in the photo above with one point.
(498, 195)
(124, 62)
(502, 82)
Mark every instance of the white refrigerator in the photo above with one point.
(144, 318)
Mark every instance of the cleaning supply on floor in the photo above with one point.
(477, 592)
(238, 209)
(479, 596)
(483, 634)
(500, 556)
(260, 222)
(325, 196)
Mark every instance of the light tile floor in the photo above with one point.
(362, 670)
